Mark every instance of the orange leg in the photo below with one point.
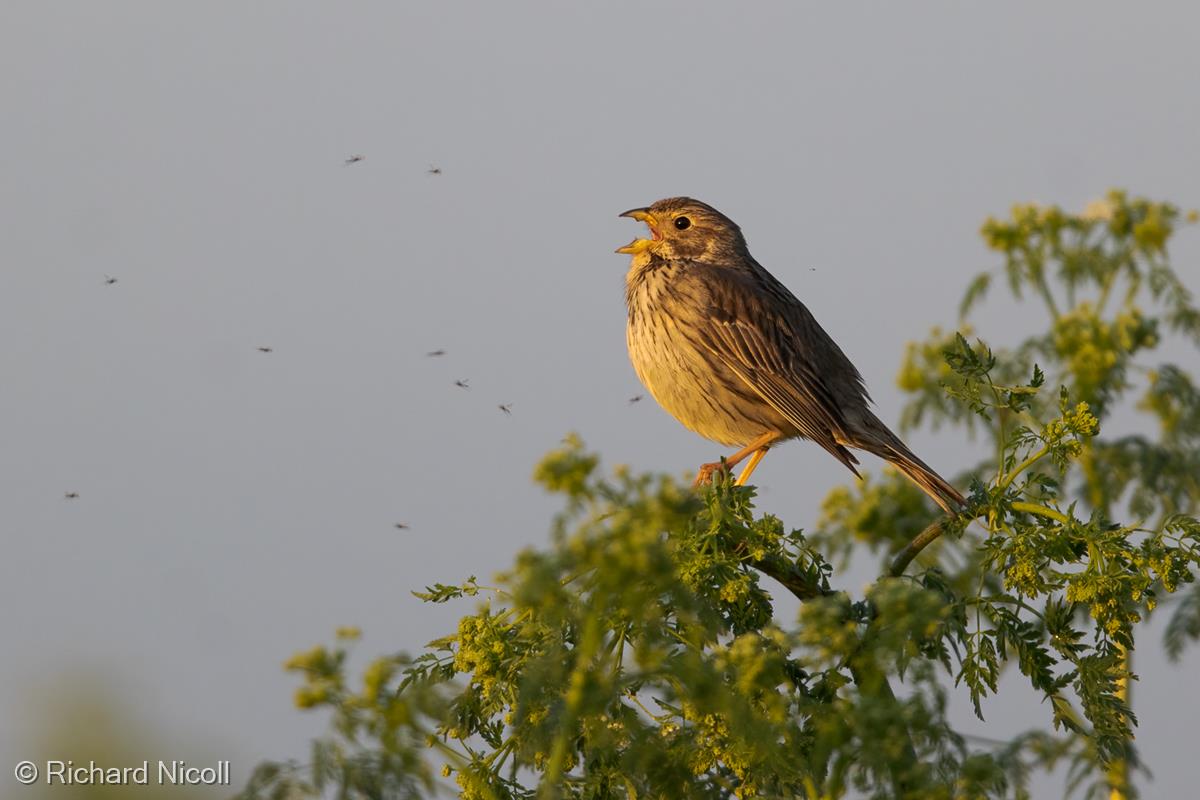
(750, 465)
(761, 443)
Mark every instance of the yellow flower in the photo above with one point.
(308, 661)
(1101, 209)
(310, 696)
(1152, 232)
(376, 677)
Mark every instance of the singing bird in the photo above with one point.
(728, 351)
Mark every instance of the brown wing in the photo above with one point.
(769, 340)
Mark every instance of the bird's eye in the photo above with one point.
(683, 223)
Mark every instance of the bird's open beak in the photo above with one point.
(641, 245)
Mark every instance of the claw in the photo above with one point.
(706, 472)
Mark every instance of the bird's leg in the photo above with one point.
(706, 472)
(750, 465)
(761, 443)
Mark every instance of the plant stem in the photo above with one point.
(1024, 465)
(919, 543)
(1118, 771)
(938, 527)
(871, 681)
(589, 644)
(1041, 511)
(799, 585)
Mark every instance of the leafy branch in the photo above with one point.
(641, 653)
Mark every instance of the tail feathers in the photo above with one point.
(930, 482)
(843, 455)
(882, 442)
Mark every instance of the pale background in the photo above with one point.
(236, 506)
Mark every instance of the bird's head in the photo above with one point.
(685, 229)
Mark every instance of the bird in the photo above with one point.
(435, 353)
(462, 383)
(354, 159)
(637, 398)
(71, 495)
(401, 526)
(109, 280)
(434, 170)
(731, 353)
(266, 349)
(506, 408)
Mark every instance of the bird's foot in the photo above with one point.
(706, 471)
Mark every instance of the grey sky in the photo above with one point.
(236, 506)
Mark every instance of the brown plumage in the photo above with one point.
(733, 355)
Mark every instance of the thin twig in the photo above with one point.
(802, 586)
(938, 527)
(1024, 465)
(919, 543)
(1041, 511)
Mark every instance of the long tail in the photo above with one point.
(880, 441)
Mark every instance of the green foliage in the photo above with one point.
(1105, 282)
(642, 655)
